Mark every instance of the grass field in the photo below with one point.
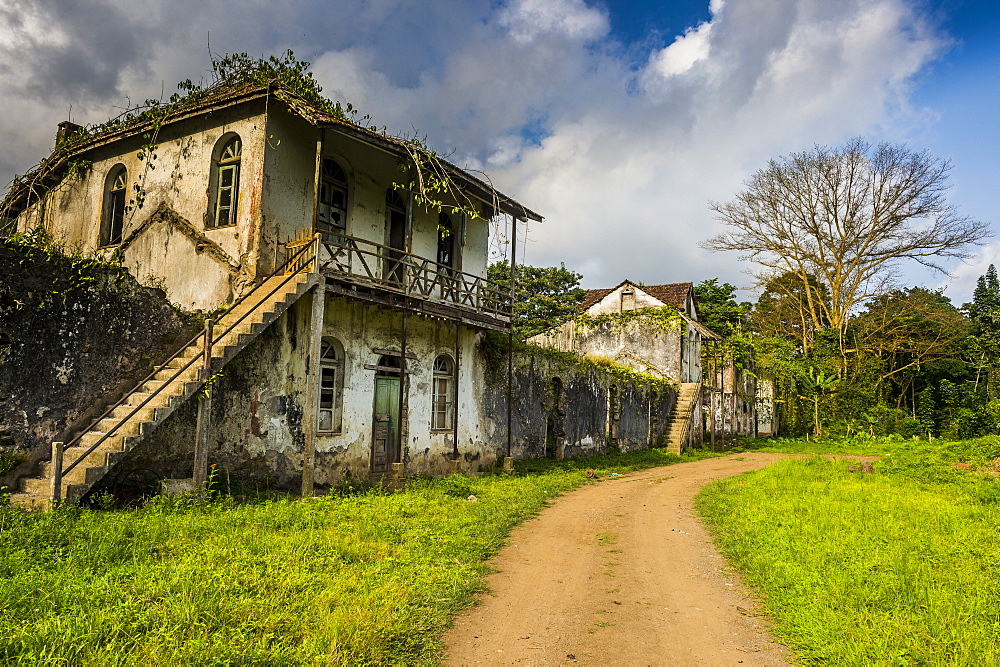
(371, 578)
(895, 568)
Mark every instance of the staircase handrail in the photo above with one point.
(180, 371)
(686, 421)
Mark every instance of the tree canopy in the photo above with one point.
(544, 297)
(846, 217)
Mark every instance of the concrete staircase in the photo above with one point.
(140, 412)
(680, 419)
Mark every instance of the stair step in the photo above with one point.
(167, 374)
(144, 414)
(138, 398)
(130, 427)
(82, 473)
(114, 443)
(40, 486)
(31, 501)
(98, 458)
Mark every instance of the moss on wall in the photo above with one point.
(76, 332)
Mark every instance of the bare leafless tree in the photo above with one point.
(847, 216)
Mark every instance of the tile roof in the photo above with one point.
(671, 294)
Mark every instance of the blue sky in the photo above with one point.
(618, 121)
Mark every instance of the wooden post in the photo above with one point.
(510, 335)
(57, 466)
(402, 392)
(204, 422)
(309, 408)
(454, 415)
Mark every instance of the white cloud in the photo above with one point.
(687, 50)
(528, 20)
(621, 156)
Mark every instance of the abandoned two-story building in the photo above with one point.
(348, 316)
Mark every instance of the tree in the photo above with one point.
(783, 309)
(544, 297)
(718, 309)
(984, 311)
(846, 216)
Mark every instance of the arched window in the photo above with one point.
(331, 216)
(443, 402)
(446, 241)
(388, 366)
(225, 183)
(113, 215)
(331, 385)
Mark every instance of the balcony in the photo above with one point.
(361, 269)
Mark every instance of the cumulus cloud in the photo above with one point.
(621, 153)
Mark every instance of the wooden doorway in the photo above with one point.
(385, 435)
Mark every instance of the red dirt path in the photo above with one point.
(620, 572)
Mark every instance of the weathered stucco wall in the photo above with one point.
(166, 241)
(74, 335)
(644, 345)
(259, 401)
(555, 398)
(260, 398)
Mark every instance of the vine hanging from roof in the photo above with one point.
(429, 179)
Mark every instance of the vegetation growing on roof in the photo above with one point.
(667, 319)
(428, 176)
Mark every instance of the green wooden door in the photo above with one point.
(384, 450)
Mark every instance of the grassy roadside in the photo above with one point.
(900, 567)
(360, 579)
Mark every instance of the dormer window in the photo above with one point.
(225, 186)
(331, 215)
(113, 216)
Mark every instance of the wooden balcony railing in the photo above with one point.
(376, 265)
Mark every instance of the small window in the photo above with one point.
(446, 241)
(331, 216)
(443, 403)
(226, 185)
(628, 299)
(331, 385)
(113, 216)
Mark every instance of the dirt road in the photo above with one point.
(619, 573)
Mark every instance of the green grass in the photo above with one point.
(980, 452)
(361, 579)
(900, 567)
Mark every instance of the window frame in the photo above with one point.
(114, 206)
(443, 402)
(330, 394)
(329, 183)
(227, 162)
(446, 241)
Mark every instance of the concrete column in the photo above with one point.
(57, 466)
(309, 411)
(204, 423)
